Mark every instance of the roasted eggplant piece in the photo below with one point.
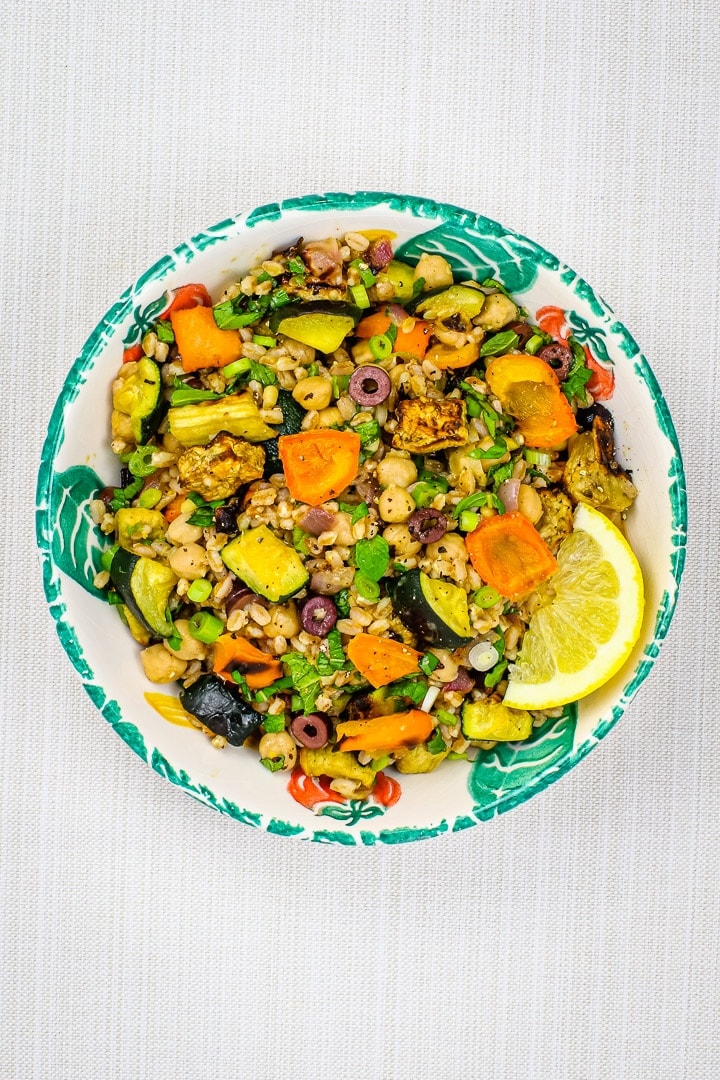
(220, 708)
(592, 474)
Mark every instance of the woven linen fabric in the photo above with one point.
(144, 937)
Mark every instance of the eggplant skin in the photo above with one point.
(221, 708)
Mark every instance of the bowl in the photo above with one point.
(77, 461)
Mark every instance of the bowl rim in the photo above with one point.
(105, 330)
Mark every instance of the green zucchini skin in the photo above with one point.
(145, 586)
(221, 708)
(413, 608)
(293, 415)
(148, 406)
(314, 307)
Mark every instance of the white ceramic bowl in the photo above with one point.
(77, 461)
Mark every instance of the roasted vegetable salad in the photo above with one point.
(344, 489)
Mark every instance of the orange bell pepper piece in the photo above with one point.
(382, 733)
(318, 465)
(529, 390)
(382, 660)
(414, 340)
(258, 668)
(200, 341)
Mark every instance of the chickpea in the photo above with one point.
(191, 648)
(451, 546)
(395, 504)
(315, 392)
(278, 744)
(284, 622)
(189, 561)
(396, 469)
(179, 532)
(529, 503)
(161, 666)
(401, 539)
(330, 417)
(447, 669)
(343, 530)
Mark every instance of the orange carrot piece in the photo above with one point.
(382, 660)
(415, 340)
(187, 296)
(447, 358)
(509, 554)
(529, 390)
(258, 668)
(382, 733)
(200, 341)
(318, 465)
(173, 509)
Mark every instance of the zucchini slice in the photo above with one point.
(139, 398)
(322, 325)
(145, 586)
(436, 610)
(401, 277)
(268, 566)
(197, 425)
(457, 300)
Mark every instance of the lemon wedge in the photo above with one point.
(588, 620)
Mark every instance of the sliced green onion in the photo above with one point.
(164, 331)
(260, 339)
(360, 296)
(446, 718)
(486, 597)
(199, 590)
(107, 557)
(533, 344)
(469, 521)
(149, 498)
(424, 493)
(273, 764)
(436, 744)
(369, 590)
(340, 384)
(140, 461)
(263, 276)
(238, 367)
(205, 627)
(313, 370)
(538, 457)
(380, 346)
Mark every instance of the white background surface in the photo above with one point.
(146, 937)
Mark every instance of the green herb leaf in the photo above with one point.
(241, 683)
(428, 663)
(436, 743)
(164, 331)
(494, 676)
(493, 283)
(361, 511)
(299, 539)
(203, 517)
(418, 287)
(273, 764)
(413, 689)
(579, 374)
(189, 395)
(279, 298)
(400, 568)
(480, 498)
(446, 718)
(500, 473)
(296, 266)
(336, 653)
(262, 374)
(499, 343)
(342, 602)
(306, 679)
(372, 557)
(274, 723)
(497, 450)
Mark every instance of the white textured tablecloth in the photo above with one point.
(146, 937)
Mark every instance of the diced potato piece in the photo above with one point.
(335, 764)
(491, 721)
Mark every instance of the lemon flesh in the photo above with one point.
(588, 620)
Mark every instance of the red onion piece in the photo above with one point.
(462, 683)
(380, 253)
(508, 494)
(396, 313)
(317, 521)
